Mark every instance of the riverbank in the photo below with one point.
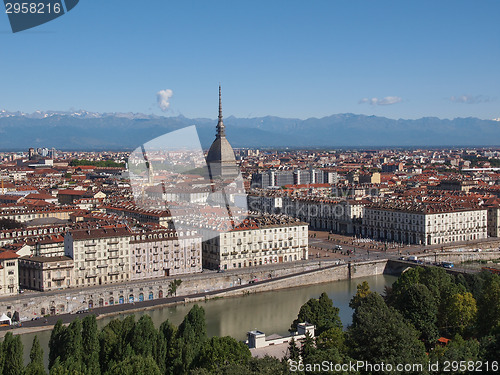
(323, 272)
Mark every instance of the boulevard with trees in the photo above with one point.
(426, 316)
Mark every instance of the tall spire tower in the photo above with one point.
(221, 129)
(220, 158)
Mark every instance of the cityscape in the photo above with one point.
(236, 188)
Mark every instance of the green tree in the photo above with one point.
(13, 355)
(56, 347)
(457, 350)
(172, 287)
(319, 312)
(135, 365)
(73, 343)
(191, 335)
(461, 312)
(418, 305)
(363, 290)
(218, 352)
(293, 350)
(380, 334)
(35, 367)
(332, 338)
(90, 344)
(167, 349)
(489, 306)
(144, 337)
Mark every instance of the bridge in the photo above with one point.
(398, 266)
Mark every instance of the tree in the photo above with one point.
(332, 338)
(380, 334)
(363, 290)
(55, 342)
(191, 335)
(135, 365)
(418, 305)
(218, 352)
(319, 312)
(172, 287)
(293, 350)
(308, 348)
(144, 337)
(456, 351)
(13, 355)
(461, 312)
(167, 349)
(73, 342)
(489, 306)
(35, 367)
(90, 343)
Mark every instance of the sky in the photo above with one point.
(287, 58)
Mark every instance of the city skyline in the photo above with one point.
(285, 59)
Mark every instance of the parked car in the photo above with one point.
(447, 264)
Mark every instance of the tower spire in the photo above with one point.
(221, 132)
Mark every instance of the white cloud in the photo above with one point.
(163, 97)
(388, 100)
(470, 99)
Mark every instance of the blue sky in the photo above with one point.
(399, 59)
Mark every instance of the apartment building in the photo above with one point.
(425, 223)
(9, 273)
(100, 255)
(258, 240)
(46, 273)
(160, 253)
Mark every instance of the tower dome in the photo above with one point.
(220, 158)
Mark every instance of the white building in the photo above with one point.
(257, 241)
(412, 223)
(162, 253)
(9, 273)
(101, 256)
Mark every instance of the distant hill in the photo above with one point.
(112, 131)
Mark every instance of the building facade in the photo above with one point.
(46, 273)
(164, 253)
(101, 256)
(417, 225)
(257, 241)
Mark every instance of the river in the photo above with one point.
(270, 312)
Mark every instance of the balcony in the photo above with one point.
(91, 251)
(111, 250)
(113, 257)
(60, 278)
(102, 266)
(112, 273)
(90, 276)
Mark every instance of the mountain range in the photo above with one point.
(83, 130)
